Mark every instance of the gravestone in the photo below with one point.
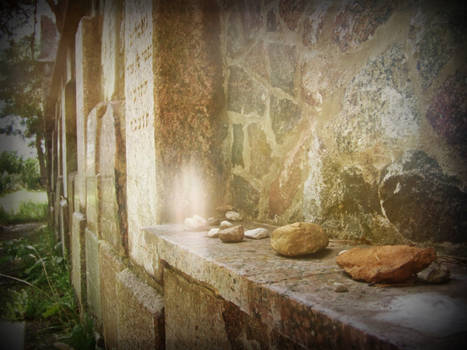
(112, 176)
(78, 262)
(87, 62)
(139, 128)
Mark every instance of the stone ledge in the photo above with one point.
(297, 298)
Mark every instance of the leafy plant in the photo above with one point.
(40, 291)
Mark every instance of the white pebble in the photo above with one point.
(213, 233)
(257, 233)
(233, 215)
(225, 224)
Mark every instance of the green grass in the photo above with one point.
(36, 287)
(27, 212)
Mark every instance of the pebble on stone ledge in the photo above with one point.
(257, 233)
(300, 238)
(225, 224)
(213, 233)
(196, 222)
(232, 234)
(385, 263)
(435, 273)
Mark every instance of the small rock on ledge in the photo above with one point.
(225, 224)
(435, 273)
(213, 233)
(196, 222)
(257, 233)
(231, 234)
(297, 239)
(233, 215)
(385, 263)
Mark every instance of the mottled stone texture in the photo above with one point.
(327, 96)
(189, 99)
(78, 258)
(93, 292)
(357, 21)
(112, 177)
(447, 112)
(196, 318)
(87, 58)
(424, 203)
(109, 266)
(140, 314)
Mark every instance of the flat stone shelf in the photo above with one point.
(297, 296)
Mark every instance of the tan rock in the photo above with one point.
(385, 263)
(299, 238)
(231, 234)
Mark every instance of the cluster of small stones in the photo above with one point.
(227, 226)
(326, 109)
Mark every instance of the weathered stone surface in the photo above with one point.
(257, 233)
(447, 112)
(436, 33)
(379, 105)
(190, 103)
(271, 21)
(293, 296)
(93, 285)
(78, 258)
(141, 319)
(283, 62)
(109, 266)
(423, 202)
(313, 23)
(233, 216)
(140, 128)
(358, 21)
(245, 94)
(87, 58)
(285, 115)
(255, 61)
(245, 196)
(245, 20)
(286, 185)
(385, 263)
(260, 151)
(232, 234)
(237, 145)
(212, 221)
(112, 50)
(291, 12)
(112, 177)
(435, 273)
(297, 239)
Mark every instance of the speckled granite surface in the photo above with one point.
(297, 296)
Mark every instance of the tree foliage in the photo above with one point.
(14, 14)
(17, 173)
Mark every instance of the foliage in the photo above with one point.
(13, 14)
(16, 172)
(28, 212)
(41, 292)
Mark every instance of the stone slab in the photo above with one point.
(139, 129)
(112, 176)
(109, 266)
(93, 277)
(87, 62)
(78, 258)
(297, 298)
(140, 313)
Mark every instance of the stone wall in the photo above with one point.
(348, 114)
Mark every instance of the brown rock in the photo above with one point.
(299, 238)
(385, 263)
(224, 208)
(231, 234)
